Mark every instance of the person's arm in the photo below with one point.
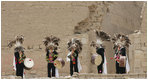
(16, 56)
(98, 51)
(55, 55)
(116, 53)
(69, 56)
(47, 56)
(75, 53)
(24, 56)
(102, 55)
(123, 52)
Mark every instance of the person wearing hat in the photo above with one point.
(74, 47)
(19, 56)
(121, 42)
(100, 50)
(51, 43)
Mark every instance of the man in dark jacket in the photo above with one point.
(73, 61)
(100, 51)
(120, 51)
(19, 61)
(51, 56)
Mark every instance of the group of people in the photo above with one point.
(121, 42)
(75, 47)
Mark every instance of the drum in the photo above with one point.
(59, 63)
(29, 63)
(96, 59)
(122, 61)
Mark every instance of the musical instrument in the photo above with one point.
(96, 59)
(59, 63)
(122, 61)
(29, 63)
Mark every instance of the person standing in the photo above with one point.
(100, 50)
(19, 61)
(19, 56)
(121, 42)
(51, 43)
(51, 56)
(73, 61)
(120, 51)
(75, 47)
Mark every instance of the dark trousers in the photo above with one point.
(51, 67)
(19, 69)
(100, 68)
(75, 66)
(120, 70)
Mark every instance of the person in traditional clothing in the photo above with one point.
(19, 60)
(100, 51)
(75, 47)
(51, 56)
(19, 55)
(101, 37)
(51, 44)
(120, 43)
(73, 61)
(120, 51)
